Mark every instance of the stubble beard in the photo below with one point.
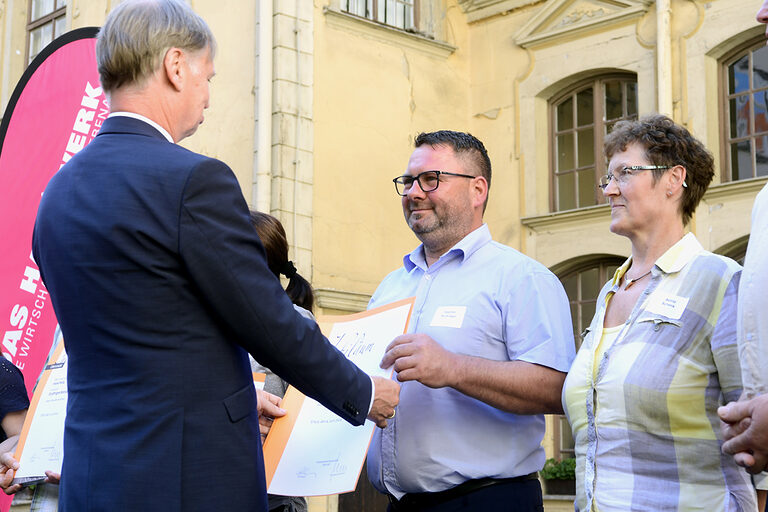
(439, 233)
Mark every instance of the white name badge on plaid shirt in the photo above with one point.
(671, 306)
(449, 316)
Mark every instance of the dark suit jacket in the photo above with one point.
(160, 285)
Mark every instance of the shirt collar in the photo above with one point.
(463, 249)
(147, 120)
(673, 260)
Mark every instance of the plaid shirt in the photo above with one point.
(653, 442)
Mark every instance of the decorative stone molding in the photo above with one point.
(481, 9)
(734, 188)
(353, 302)
(563, 18)
(561, 220)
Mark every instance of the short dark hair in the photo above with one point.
(667, 143)
(463, 144)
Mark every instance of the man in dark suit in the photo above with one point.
(160, 286)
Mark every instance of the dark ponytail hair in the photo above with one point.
(275, 243)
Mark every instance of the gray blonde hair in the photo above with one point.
(137, 34)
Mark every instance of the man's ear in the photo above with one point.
(173, 65)
(480, 190)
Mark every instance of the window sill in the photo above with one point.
(386, 33)
(577, 216)
(733, 188)
(328, 298)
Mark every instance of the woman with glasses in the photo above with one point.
(660, 354)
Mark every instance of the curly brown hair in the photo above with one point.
(667, 143)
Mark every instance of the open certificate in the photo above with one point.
(310, 451)
(41, 443)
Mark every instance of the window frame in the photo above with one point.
(596, 83)
(344, 6)
(50, 17)
(730, 58)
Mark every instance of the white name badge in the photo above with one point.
(671, 306)
(449, 316)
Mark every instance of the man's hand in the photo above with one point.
(268, 407)
(419, 357)
(8, 465)
(385, 399)
(745, 430)
(513, 386)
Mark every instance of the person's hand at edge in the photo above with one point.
(8, 465)
(385, 399)
(745, 430)
(268, 407)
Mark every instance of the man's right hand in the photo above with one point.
(745, 430)
(386, 397)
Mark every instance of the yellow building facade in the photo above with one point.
(315, 105)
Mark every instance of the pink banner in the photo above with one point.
(56, 110)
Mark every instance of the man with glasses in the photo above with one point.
(485, 352)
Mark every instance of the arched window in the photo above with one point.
(736, 250)
(745, 112)
(580, 118)
(582, 283)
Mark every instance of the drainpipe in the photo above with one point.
(6, 84)
(262, 179)
(664, 56)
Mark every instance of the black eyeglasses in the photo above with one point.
(622, 175)
(428, 181)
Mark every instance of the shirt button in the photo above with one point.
(427, 277)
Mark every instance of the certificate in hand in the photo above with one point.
(41, 443)
(310, 451)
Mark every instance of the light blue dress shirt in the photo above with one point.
(753, 313)
(484, 299)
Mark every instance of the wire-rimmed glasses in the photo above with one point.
(625, 173)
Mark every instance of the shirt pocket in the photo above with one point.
(659, 330)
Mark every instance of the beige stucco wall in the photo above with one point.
(228, 131)
(374, 91)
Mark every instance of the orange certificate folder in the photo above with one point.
(312, 452)
(259, 379)
(41, 442)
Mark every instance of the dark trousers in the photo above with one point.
(506, 496)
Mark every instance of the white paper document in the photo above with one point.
(311, 451)
(41, 443)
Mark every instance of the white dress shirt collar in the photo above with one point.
(146, 120)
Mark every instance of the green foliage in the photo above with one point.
(559, 470)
